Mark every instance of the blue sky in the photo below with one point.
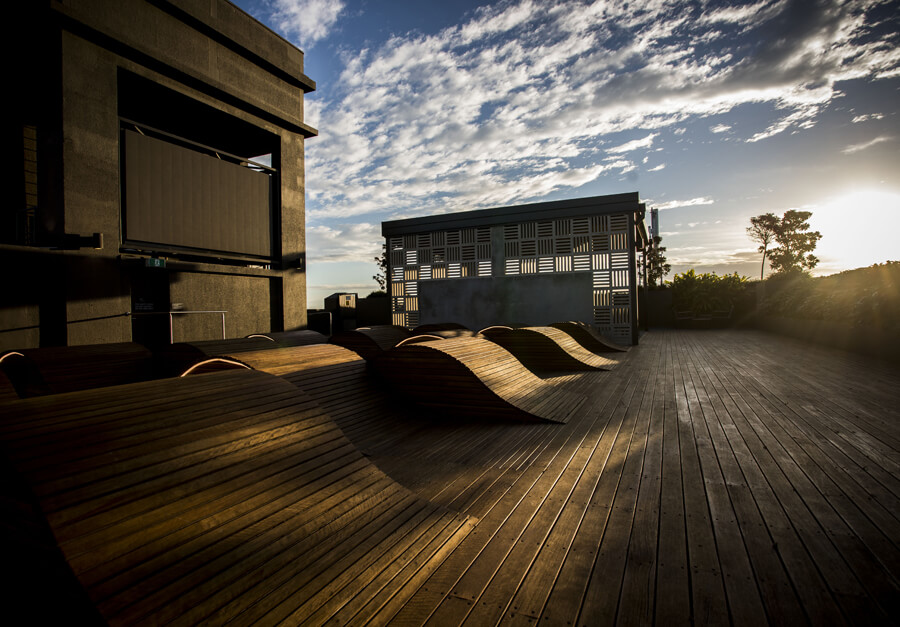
(713, 112)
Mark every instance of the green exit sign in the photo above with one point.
(153, 262)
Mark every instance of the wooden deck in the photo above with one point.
(712, 477)
(715, 477)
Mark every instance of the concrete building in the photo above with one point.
(528, 264)
(162, 147)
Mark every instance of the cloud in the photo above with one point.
(864, 118)
(522, 100)
(343, 287)
(661, 166)
(672, 204)
(646, 142)
(305, 21)
(858, 147)
(719, 128)
(343, 242)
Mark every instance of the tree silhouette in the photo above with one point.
(795, 243)
(657, 268)
(762, 229)
(380, 277)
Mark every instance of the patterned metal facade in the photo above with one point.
(598, 244)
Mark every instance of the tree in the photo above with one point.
(762, 229)
(795, 243)
(380, 276)
(657, 268)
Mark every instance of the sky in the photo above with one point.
(712, 111)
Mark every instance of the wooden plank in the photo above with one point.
(673, 598)
(224, 492)
(709, 604)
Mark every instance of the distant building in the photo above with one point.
(528, 264)
(342, 306)
(343, 300)
(163, 145)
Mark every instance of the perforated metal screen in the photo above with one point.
(593, 244)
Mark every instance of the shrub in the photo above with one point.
(862, 297)
(707, 292)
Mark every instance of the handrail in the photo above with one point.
(171, 313)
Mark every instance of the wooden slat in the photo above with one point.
(476, 377)
(56, 370)
(716, 502)
(588, 337)
(175, 359)
(371, 342)
(204, 498)
(721, 477)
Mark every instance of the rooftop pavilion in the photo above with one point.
(575, 259)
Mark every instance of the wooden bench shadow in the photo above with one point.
(547, 349)
(225, 496)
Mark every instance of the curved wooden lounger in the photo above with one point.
(545, 349)
(452, 333)
(336, 377)
(473, 376)
(422, 337)
(302, 337)
(55, 370)
(589, 338)
(226, 496)
(439, 326)
(175, 359)
(371, 342)
(277, 361)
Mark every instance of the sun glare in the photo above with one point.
(858, 229)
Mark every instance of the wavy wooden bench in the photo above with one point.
(175, 359)
(371, 342)
(222, 497)
(55, 370)
(474, 376)
(439, 326)
(301, 337)
(589, 337)
(337, 378)
(547, 349)
(283, 360)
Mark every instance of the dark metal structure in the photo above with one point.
(529, 264)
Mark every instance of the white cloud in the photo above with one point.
(306, 21)
(343, 242)
(644, 142)
(661, 166)
(521, 100)
(719, 128)
(672, 204)
(865, 118)
(858, 147)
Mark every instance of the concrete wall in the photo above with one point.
(481, 302)
(207, 50)
(245, 298)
